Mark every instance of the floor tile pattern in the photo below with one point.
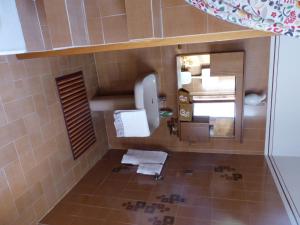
(196, 189)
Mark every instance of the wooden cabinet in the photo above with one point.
(195, 131)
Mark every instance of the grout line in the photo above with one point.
(22, 171)
(152, 18)
(85, 23)
(39, 22)
(10, 191)
(161, 19)
(68, 16)
(102, 27)
(206, 18)
(120, 14)
(4, 112)
(97, 73)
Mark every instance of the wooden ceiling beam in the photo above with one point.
(148, 43)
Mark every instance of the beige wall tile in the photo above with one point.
(24, 201)
(50, 89)
(19, 108)
(49, 190)
(47, 37)
(56, 165)
(3, 182)
(168, 3)
(54, 66)
(41, 12)
(30, 25)
(3, 59)
(77, 20)
(92, 8)
(40, 207)
(23, 145)
(58, 24)
(8, 211)
(5, 72)
(39, 101)
(36, 190)
(36, 174)
(94, 26)
(36, 138)
(111, 7)
(27, 161)
(43, 151)
(157, 17)
(55, 111)
(37, 67)
(63, 143)
(77, 170)
(43, 115)
(43, 24)
(28, 86)
(18, 70)
(183, 20)
(33, 137)
(139, 22)
(8, 154)
(27, 217)
(8, 91)
(115, 29)
(65, 182)
(49, 130)
(12, 131)
(15, 178)
(2, 116)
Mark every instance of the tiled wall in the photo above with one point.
(30, 25)
(118, 71)
(51, 24)
(36, 163)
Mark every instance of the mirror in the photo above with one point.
(213, 95)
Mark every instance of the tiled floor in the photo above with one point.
(197, 189)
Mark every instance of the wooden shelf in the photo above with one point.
(147, 43)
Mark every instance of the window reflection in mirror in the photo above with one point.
(211, 96)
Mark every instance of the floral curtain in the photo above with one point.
(278, 16)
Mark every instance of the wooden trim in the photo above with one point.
(147, 43)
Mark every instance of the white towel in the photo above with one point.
(131, 123)
(149, 162)
(150, 169)
(136, 157)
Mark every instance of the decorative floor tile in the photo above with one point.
(202, 189)
(228, 173)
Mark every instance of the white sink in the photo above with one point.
(146, 97)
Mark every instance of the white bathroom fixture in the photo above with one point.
(112, 102)
(146, 97)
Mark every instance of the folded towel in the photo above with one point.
(131, 123)
(150, 169)
(136, 157)
(149, 162)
